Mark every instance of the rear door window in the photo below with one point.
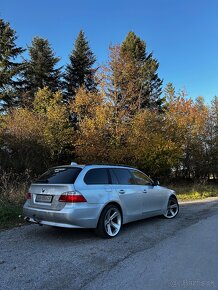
(60, 175)
(97, 176)
(124, 176)
(114, 179)
(141, 178)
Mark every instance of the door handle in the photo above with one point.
(121, 191)
(144, 190)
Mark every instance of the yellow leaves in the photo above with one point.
(23, 124)
(24, 143)
(48, 124)
(148, 144)
(97, 127)
(85, 103)
(44, 99)
(58, 132)
(94, 117)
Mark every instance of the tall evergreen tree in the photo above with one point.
(80, 72)
(40, 70)
(9, 69)
(135, 75)
(169, 92)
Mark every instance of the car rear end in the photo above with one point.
(53, 200)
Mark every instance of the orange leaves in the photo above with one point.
(187, 116)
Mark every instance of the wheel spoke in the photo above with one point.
(173, 206)
(172, 212)
(106, 221)
(115, 214)
(112, 222)
(109, 231)
(116, 226)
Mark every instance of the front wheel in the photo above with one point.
(110, 222)
(172, 208)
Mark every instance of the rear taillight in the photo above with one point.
(72, 197)
(28, 195)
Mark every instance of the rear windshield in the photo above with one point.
(60, 175)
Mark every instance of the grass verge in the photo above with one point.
(195, 191)
(10, 215)
(12, 196)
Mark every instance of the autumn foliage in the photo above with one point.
(114, 113)
(174, 143)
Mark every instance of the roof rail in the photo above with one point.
(110, 164)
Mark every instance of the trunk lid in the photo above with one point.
(46, 196)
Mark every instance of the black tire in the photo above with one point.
(103, 226)
(172, 208)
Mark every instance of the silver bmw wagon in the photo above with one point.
(103, 197)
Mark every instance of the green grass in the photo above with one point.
(13, 188)
(195, 191)
(10, 215)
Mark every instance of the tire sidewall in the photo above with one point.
(175, 199)
(100, 230)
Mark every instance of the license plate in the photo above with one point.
(43, 198)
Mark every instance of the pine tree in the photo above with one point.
(79, 72)
(9, 69)
(40, 70)
(135, 76)
(169, 92)
(133, 48)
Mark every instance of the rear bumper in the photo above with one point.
(79, 216)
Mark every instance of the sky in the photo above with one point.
(182, 34)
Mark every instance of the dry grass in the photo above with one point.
(13, 189)
(195, 191)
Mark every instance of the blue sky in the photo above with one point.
(183, 34)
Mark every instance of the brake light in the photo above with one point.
(28, 195)
(72, 197)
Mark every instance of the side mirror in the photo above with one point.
(156, 182)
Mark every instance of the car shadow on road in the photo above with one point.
(66, 233)
(69, 234)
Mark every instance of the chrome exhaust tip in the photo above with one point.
(32, 220)
(27, 219)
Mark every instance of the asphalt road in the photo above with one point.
(151, 254)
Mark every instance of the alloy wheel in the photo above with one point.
(112, 222)
(172, 208)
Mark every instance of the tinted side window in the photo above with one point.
(114, 179)
(60, 175)
(141, 178)
(96, 176)
(124, 176)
